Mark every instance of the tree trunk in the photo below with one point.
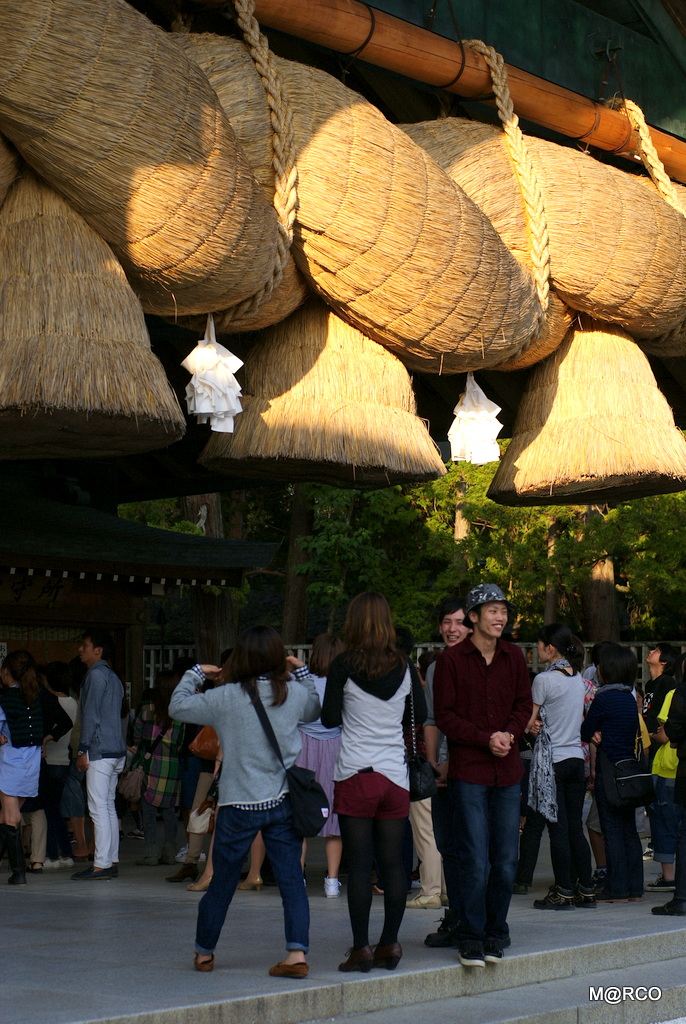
(600, 606)
(551, 587)
(214, 609)
(461, 524)
(599, 600)
(294, 629)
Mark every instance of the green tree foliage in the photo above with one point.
(162, 513)
(401, 541)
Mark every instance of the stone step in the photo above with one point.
(645, 994)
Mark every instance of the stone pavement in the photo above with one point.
(122, 950)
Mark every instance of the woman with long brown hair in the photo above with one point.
(369, 690)
(253, 790)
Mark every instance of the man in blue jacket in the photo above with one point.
(102, 750)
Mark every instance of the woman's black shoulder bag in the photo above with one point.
(309, 801)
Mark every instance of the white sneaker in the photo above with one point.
(420, 902)
(65, 862)
(332, 888)
(181, 855)
(52, 864)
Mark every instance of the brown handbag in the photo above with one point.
(206, 744)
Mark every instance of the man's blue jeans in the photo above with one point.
(233, 835)
(487, 840)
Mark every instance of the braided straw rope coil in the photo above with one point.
(243, 105)
(108, 110)
(617, 250)
(9, 168)
(381, 232)
(592, 427)
(322, 402)
(77, 377)
(673, 343)
(444, 141)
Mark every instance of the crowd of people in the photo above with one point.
(514, 753)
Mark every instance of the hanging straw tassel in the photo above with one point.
(213, 394)
(592, 427)
(322, 402)
(475, 428)
(77, 377)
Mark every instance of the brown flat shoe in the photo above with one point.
(358, 960)
(185, 872)
(284, 970)
(388, 956)
(203, 965)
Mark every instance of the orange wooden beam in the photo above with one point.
(352, 27)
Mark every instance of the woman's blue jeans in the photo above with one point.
(234, 832)
(487, 840)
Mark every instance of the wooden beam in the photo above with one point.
(354, 28)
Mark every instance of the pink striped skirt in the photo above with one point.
(320, 757)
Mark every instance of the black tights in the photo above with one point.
(362, 838)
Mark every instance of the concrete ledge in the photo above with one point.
(380, 991)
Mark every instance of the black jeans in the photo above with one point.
(569, 849)
(622, 844)
(443, 818)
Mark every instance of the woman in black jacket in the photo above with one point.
(367, 693)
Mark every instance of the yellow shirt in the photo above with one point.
(666, 760)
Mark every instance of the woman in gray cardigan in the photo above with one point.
(253, 793)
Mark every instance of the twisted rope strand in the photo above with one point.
(647, 152)
(283, 154)
(532, 196)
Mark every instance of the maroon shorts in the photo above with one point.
(370, 795)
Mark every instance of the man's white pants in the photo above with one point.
(101, 785)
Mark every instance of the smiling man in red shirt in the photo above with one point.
(482, 702)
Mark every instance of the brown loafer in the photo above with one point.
(184, 872)
(203, 965)
(388, 956)
(284, 970)
(358, 960)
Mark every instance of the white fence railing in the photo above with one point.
(158, 656)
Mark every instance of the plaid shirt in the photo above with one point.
(164, 774)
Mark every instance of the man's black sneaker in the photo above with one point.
(493, 951)
(447, 932)
(585, 897)
(557, 899)
(471, 954)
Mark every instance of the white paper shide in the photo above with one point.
(213, 393)
(475, 428)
